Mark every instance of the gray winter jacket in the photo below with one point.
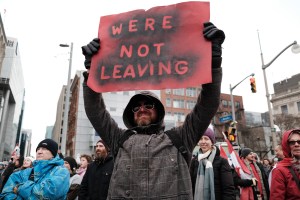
(148, 165)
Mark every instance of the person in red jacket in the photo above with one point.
(287, 173)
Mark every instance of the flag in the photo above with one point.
(224, 155)
(239, 166)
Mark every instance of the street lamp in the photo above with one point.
(295, 49)
(232, 103)
(67, 102)
(231, 96)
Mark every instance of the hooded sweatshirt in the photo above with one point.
(147, 164)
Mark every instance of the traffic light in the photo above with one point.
(231, 134)
(253, 85)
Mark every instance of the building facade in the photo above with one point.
(12, 93)
(286, 103)
(286, 97)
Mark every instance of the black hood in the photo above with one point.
(128, 116)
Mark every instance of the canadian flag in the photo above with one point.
(235, 160)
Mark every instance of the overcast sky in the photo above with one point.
(40, 26)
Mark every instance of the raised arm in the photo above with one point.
(208, 101)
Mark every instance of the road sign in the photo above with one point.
(225, 118)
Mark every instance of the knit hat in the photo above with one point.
(49, 144)
(106, 147)
(245, 152)
(210, 133)
(29, 158)
(72, 162)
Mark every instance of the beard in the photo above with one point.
(100, 154)
(144, 119)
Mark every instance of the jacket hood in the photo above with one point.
(128, 116)
(285, 147)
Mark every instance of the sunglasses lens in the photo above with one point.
(148, 106)
(136, 108)
(294, 142)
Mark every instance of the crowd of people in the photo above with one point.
(146, 162)
(51, 176)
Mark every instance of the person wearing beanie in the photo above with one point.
(34, 183)
(95, 183)
(50, 145)
(260, 186)
(209, 170)
(75, 179)
(27, 163)
(245, 152)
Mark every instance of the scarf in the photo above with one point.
(81, 171)
(205, 188)
(255, 171)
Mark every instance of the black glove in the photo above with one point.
(216, 36)
(89, 51)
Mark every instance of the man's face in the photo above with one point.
(294, 143)
(101, 151)
(43, 154)
(145, 113)
(250, 157)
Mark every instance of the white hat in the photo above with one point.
(30, 158)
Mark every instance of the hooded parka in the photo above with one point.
(50, 181)
(147, 164)
(283, 184)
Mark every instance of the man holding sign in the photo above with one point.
(148, 164)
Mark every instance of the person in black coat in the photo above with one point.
(95, 182)
(15, 163)
(222, 176)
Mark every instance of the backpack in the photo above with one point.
(176, 140)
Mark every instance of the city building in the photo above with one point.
(3, 41)
(25, 142)
(11, 98)
(286, 103)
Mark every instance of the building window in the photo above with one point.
(179, 92)
(126, 93)
(179, 117)
(190, 104)
(168, 91)
(284, 110)
(178, 103)
(237, 104)
(168, 102)
(298, 105)
(191, 92)
(225, 103)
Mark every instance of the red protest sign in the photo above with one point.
(162, 47)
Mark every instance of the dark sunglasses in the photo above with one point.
(293, 142)
(146, 105)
